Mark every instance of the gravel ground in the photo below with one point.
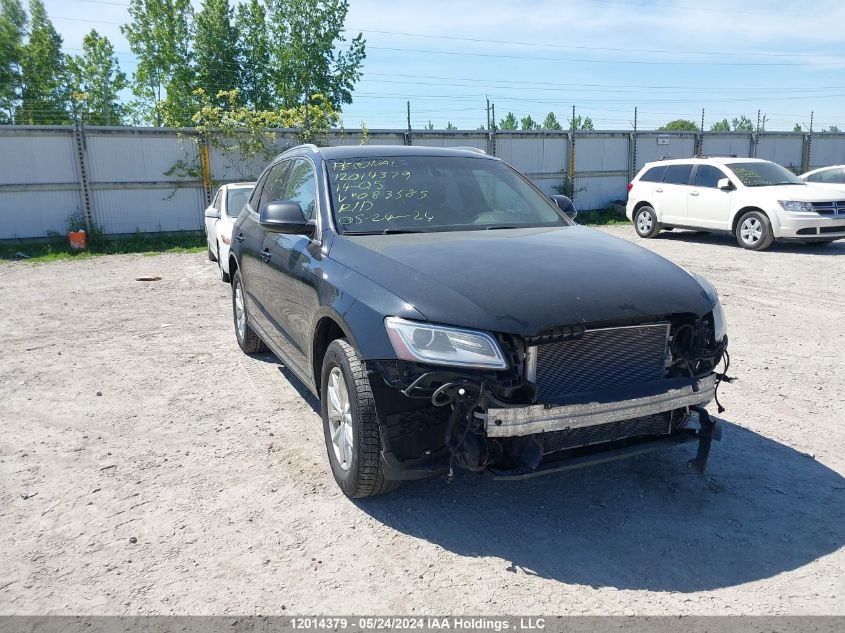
(148, 467)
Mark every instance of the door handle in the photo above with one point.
(265, 255)
(240, 238)
(693, 193)
(659, 190)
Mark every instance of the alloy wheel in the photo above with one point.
(240, 312)
(340, 418)
(751, 231)
(645, 222)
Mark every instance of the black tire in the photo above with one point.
(211, 256)
(248, 340)
(364, 474)
(645, 222)
(754, 231)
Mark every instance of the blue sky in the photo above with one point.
(670, 58)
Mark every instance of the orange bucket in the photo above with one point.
(78, 240)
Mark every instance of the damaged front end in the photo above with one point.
(571, 396)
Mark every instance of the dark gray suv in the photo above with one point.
(449, 314)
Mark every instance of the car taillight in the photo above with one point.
(630, 186)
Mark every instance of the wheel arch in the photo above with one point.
(741, 212)
(233, 265)
(328, 327)
(640, 205)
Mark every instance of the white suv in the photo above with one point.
(756, 200)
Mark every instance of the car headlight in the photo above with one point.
(794, 206)
(443, 345)
(720, 322)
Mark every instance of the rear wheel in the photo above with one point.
(350, 424)
(211, 256)
(248, 340)
(754, 231)
(645, 222)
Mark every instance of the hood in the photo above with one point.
(522, 281)
(800, 193)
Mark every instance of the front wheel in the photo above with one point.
(645, 222)
(754, 231)
(248, 340)
(350, 424)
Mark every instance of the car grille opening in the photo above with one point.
(600, 359)
(832, 229)
(658, 424)
(830, 208)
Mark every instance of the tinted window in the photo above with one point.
(655, 174)
(236, 200)
(677, 174)
(274, 185)
(217, 199)
(434, 193)
(708, 176)
(300, 186)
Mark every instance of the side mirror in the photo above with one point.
(565, 204)
(724, 184)
(284, 216)
(211, 212)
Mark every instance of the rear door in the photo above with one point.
(250, 238)
(708, 206)
(673, 193)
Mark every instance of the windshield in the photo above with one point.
(434, 193)
(764, 174)
(236, 199)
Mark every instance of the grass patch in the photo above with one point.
(58, 249)
(602, 217)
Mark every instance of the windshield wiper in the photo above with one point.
(493, 227)
(384, 232)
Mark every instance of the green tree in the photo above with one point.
(509, 122)
(679, 125)
(44, 93)
(13, 23)
(581, 124)
(159, 35)
(215, 49)
(742, 124)
(429, 125)
(832, 129)
(449, 126)
(306, 35)
(255, 55)
(721, 126)
(96, 82)
(797, 128)
(551, 122)
(528, 123)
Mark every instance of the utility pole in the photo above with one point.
(758, 121)
(702, 119)
(493, 110)
(409, 116)
(488, 113)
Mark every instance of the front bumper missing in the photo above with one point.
(516, 421)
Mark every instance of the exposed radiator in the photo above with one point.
(599, 359)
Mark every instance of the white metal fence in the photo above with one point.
(149, 179)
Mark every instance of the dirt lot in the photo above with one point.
(147, 466)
